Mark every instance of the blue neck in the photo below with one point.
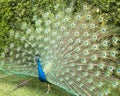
(41, 74)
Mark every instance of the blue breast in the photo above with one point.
(41, 73)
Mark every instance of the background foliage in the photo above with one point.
(14, 11)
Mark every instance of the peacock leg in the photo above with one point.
(49, 89)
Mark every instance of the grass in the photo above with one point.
(32, 88)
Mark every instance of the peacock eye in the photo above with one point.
(100, 18)
(95, 47)
(70, 48)
(92, 88)
(59, 37)
(66, 33)
(78, 17)
(90, 67)
(115, 84)
(85, 7)
(103, 30)
(57, 24)
(38, 30)
(34, 18)
(68, 10)
(118, 71)
(101, 66)
(84, 60)
(113, 54)
(94, 37)
(46, 14)
(62, 28)
(78, 49)
(38, 22)
(79, 68)
(78, 40)
(88, 17)
(107, 91)
(115, 40)
(28, 31)
(81, 85)
(86, 43)
(57, 16)
(90, 80)
(52, 42)
(97, 73)
(111, 68)
(66, 19)
(94, 57)
(72, 24)
(84, 25)
(104, 55)
(76, 33)
(86, 34)
(47, 31)
(48, 22)
(70, 41)
(105, 43)
(92, 26)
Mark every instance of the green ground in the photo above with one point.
(32, 88)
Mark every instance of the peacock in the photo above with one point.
(76, 51)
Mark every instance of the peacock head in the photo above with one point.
(37, 58)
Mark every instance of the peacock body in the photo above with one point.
(72, 51)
